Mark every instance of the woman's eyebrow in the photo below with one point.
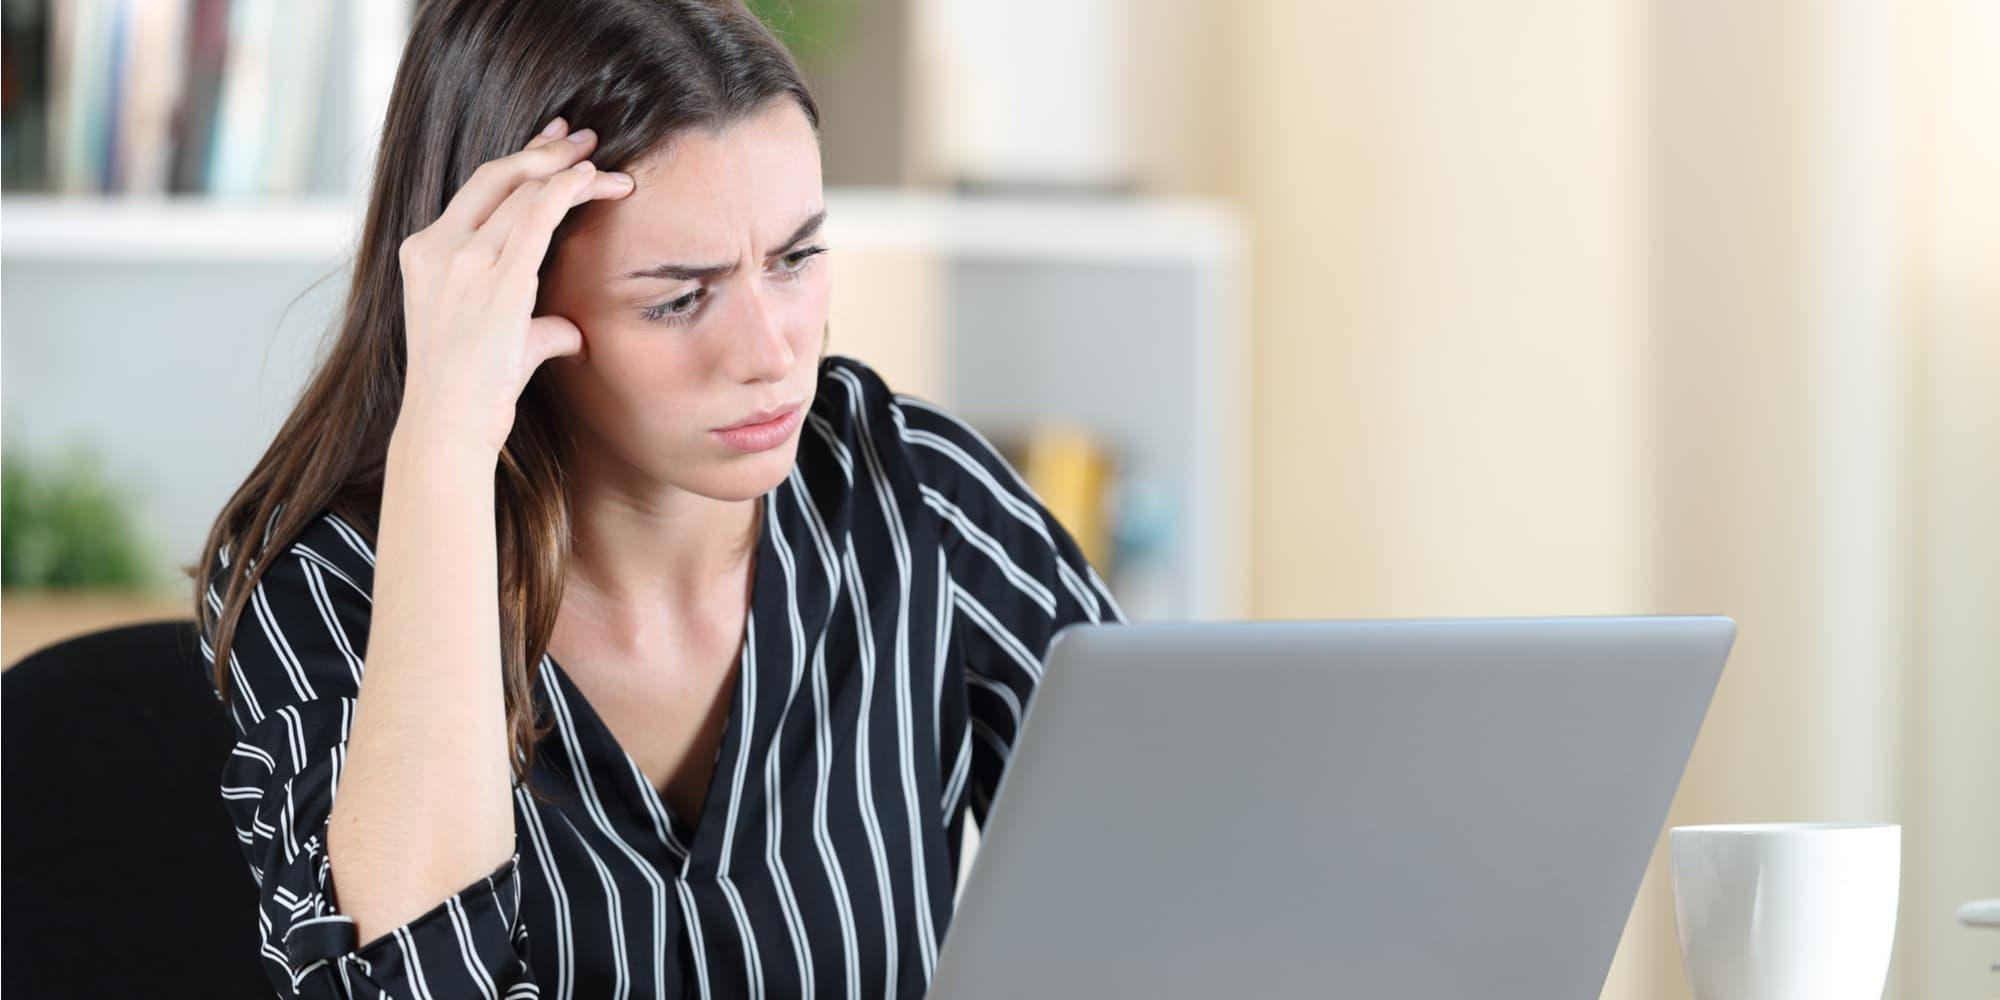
(697, 272)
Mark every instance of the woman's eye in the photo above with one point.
(676, 310)
(796, 263)
(683, 309)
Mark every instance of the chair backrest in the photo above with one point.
(122, 873)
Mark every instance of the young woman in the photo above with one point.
(591, 632)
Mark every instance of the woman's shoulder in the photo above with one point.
(850, 394)
(311, 593)
(919, 436)
(327, 546)
(338, 545)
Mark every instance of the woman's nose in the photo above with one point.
(761, 351)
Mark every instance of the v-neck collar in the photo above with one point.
(687, 841)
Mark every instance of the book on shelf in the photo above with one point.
(219, 97)
(1074, 473)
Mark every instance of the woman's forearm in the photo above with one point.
(424, 804)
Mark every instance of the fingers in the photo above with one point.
(485, 243)
(533, 222)
(495, 180)
(580, 183)
(553, 130)
(552, 337)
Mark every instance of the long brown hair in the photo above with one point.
(477, 78)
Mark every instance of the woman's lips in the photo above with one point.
(762, 436)
(761, 417)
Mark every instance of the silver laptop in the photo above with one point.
(1444, 808)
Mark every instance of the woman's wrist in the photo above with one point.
(419, 447)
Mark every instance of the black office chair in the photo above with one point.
(120, 874)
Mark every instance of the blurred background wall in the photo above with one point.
(1600, 306)
(1558, 307)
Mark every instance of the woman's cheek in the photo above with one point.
(811, 327)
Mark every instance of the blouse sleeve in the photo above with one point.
(1015, 575)
(295, 668)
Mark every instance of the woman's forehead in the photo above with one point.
(709, 192)
(769, 152)
(761, 179)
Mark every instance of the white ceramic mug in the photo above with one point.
(1776, 911)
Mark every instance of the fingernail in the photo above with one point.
(619, 176)
(581, 135)
(555, 125)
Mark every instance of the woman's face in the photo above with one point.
(669, 355)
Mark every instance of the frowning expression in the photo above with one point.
(702, 297)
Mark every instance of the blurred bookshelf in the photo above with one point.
(196, 99)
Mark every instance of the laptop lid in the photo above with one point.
(1355, 808)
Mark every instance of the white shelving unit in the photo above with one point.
(50, 228)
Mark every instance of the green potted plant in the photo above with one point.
(64, 525)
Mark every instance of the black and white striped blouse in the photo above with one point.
(906, 589)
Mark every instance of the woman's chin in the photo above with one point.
(741, 476)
